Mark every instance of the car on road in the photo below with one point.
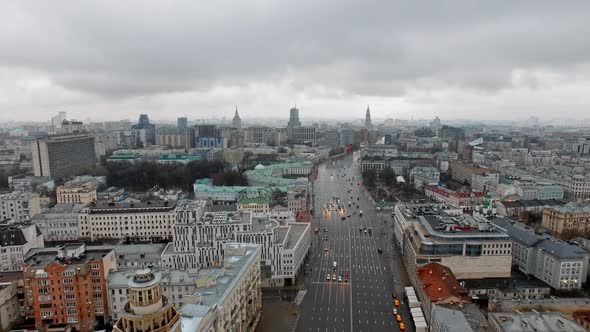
(396, 302)
(325, 248)
(328, 277)
(334, 277)
(378, 208)
(361, 212)
(326, 238)
(379, 250)
(402, 326)
(395, 311)
(398, 317)
(365, 231)
(325, 230)
(334, 264)
(343, 218)
(370, 230)
(339, 278)
(361, 229)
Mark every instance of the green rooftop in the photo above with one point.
(123, 157)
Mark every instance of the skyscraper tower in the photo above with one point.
(368, 118)
(182, 123)
(237, 122)
(294, 118)
(148, 309)
(144, 120)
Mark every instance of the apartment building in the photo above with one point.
(16, 240)
(67, 285)
(462, 200)
(301, 134)
(145, 307)
(63, 156)
(559, 264)
(82, 190)
(150, 220)
(199, 238)
(19, 206)
(463, 172)
(59, 223)
(569, 217)
(437, 233)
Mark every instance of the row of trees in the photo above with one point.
(386, 175)
(143, 176)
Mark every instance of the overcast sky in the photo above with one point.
(455, 59)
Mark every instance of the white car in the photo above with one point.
(339, 278)
(334, 277)
(328, 277)
(334, 264)
(395, 311)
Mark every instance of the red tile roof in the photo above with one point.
(440, 283)
(303, 217)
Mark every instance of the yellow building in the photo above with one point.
(76, 192)
(569, 217)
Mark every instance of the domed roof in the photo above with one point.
(259, 166)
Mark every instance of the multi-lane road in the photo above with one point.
(365, 302)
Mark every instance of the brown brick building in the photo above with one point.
(68, 286)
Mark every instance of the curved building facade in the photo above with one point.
(148, 310)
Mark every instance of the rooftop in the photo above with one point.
(265, 224)
(63, 138)
(296, 231)
(516, 281)
(550, 245)
(215, 284)
(573, 207)
(456, 319)
(440, 283)
(549, 321)
(123, 207)
(40, 257)
(226, 217)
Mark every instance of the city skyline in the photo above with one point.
(450, 60)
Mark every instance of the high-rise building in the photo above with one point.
(148, 309)
(57, 120)
(294, 118)
(63, 156)
(368, 123)
(147, 130)
(182, 123)
(237, 122)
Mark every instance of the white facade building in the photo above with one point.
(60, 223)
(15, 241)
(139, 221)
(19, 206)
(559, 264)
(199, 238)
